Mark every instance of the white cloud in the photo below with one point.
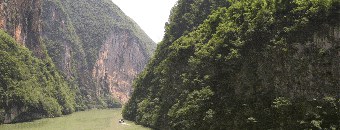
(150, 15)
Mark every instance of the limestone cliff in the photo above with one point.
(21, 19)
(120, 59)
(115, 47)
(36, 88)
(99, 55)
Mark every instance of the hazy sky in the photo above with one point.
(150, 15)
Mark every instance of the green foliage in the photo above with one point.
(65, 49)
(145, 112)
(322, 114)
(31, 84)
(95, 28)
(253, 65)
(74, 32)
(195, 109)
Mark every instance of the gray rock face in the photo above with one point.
(120, 59)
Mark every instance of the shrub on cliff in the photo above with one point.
(30, 85)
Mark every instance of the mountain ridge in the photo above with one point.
(73, 36)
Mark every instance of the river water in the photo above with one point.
(106, 119)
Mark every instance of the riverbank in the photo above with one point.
(106, 119)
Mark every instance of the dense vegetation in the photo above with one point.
(102, 18)
(57, 37)
(65, 37)
(261, 64)
(82, 27)
(31, 85)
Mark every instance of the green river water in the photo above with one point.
(106, 119)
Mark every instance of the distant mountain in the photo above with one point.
(241, 64)
(91, 48)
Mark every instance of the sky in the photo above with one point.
(150, 15)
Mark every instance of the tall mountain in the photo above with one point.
(261, 64)
(95, 45)
(89, 46)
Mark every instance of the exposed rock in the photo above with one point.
(120, 59)
(13, 113)
(21, 19)
(47, 27)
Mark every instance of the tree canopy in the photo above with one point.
(261, 64)
(31, 84)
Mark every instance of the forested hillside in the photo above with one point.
(30, 86)
(261, 64)
(71, 55)
(94, 43)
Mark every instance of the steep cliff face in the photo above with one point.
(114, 48)
(61, 39)
(120, 59)
(98, 55)
(66, 50)
(311, 70)
(21, 19)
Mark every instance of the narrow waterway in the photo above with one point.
(106, 119)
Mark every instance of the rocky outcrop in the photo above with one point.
(54, 32)
(120, 59)
(113, 48)
(99, 55)
(21, 19)
(312, 64)
(12, 113)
